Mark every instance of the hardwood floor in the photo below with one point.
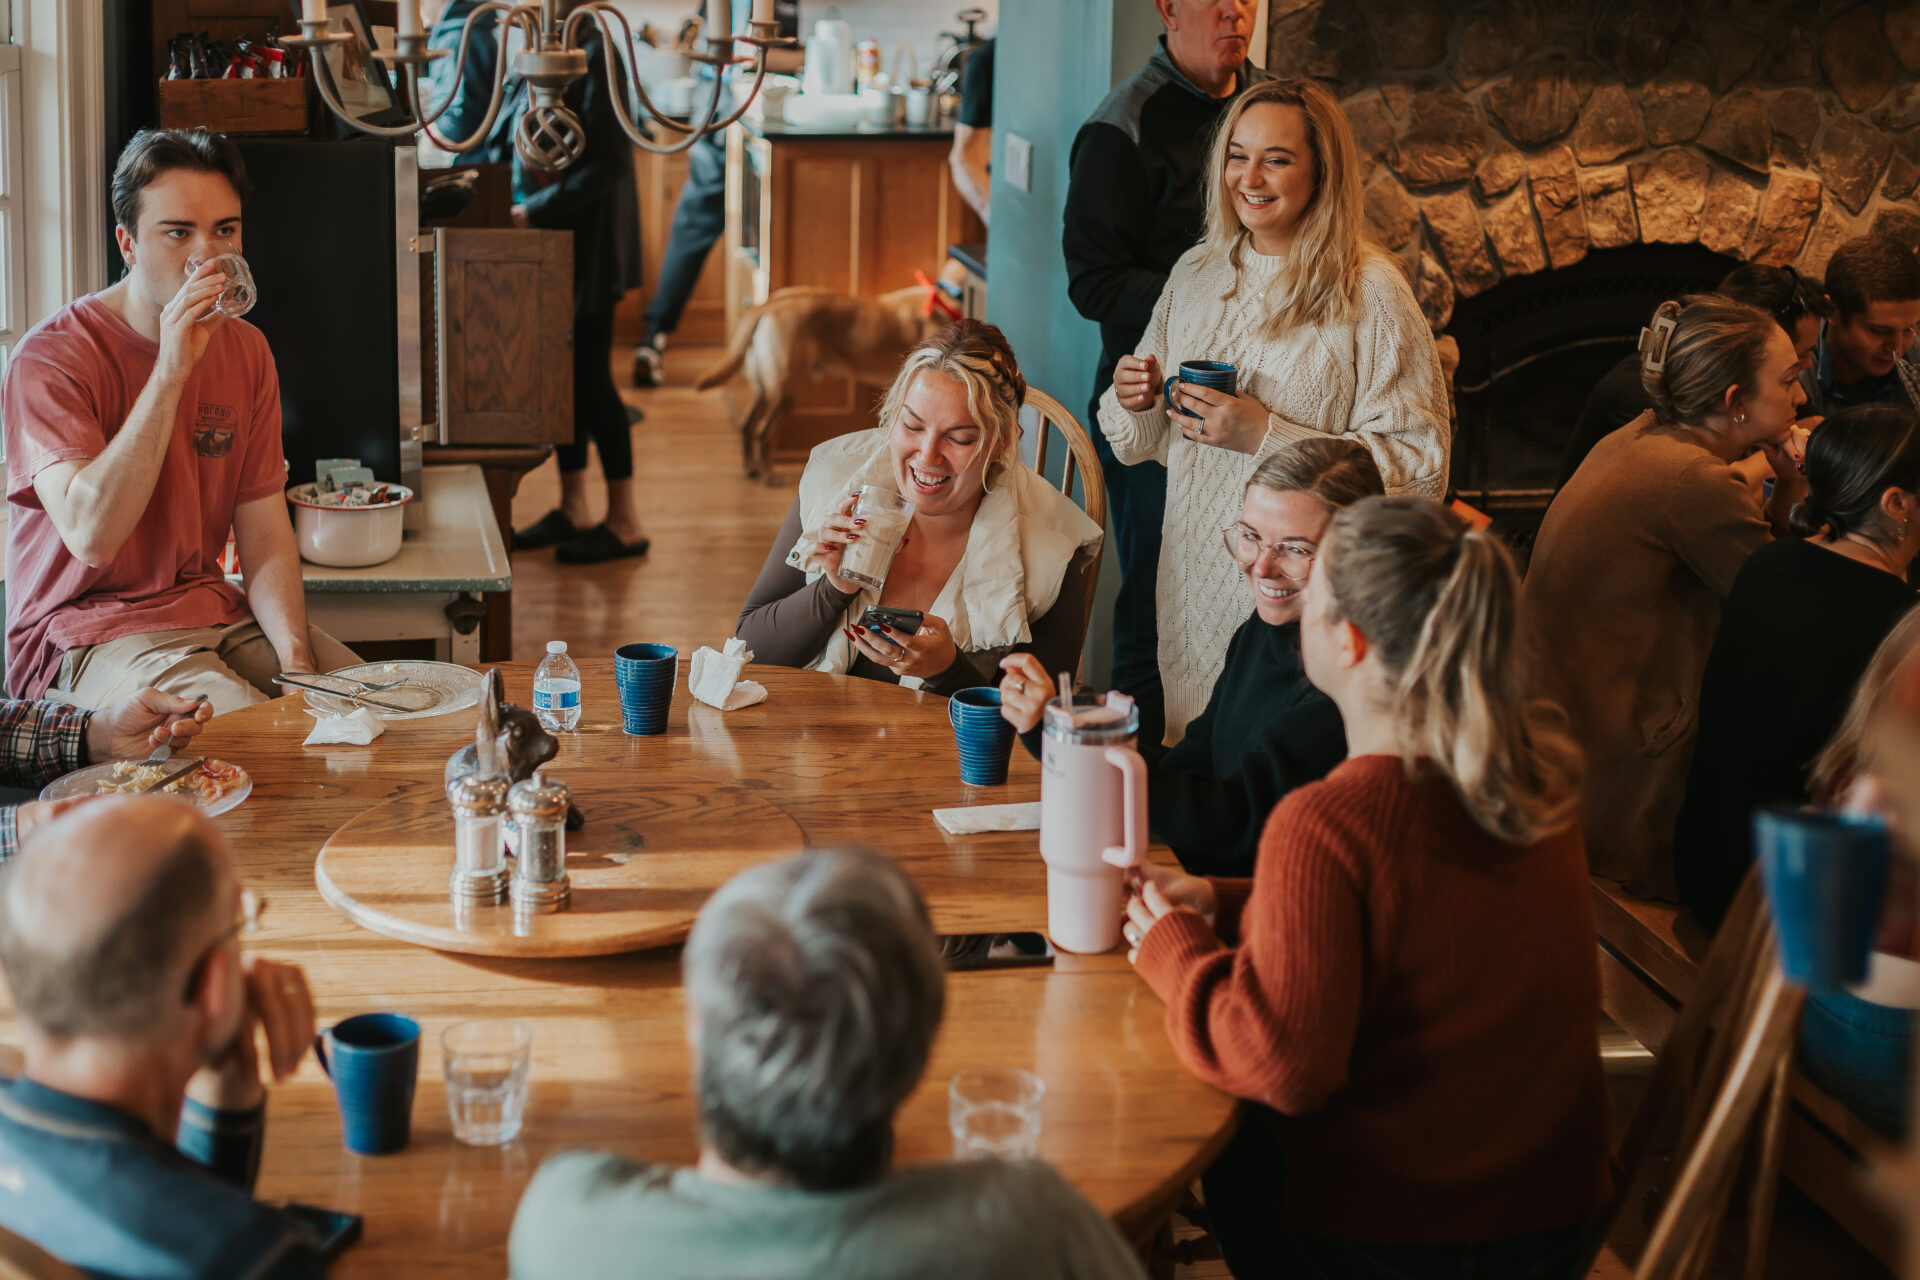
(711, 529)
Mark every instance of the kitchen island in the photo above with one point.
(856, 210)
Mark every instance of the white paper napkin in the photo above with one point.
(971, 819)
(714, 678)
(357, 728)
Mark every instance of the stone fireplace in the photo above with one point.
(1505, 139)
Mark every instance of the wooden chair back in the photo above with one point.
(21, 1259)
(1718, 1093)
(1081, 461)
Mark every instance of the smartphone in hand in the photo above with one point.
(904, 621)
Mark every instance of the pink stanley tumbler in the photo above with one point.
(1093, 817)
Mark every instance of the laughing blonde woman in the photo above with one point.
(1327, 340)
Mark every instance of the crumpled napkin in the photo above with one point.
(970, 819)
(357, 728)
(714, 678)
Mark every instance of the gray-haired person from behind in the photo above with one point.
(814, 991)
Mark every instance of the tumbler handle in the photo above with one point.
(1133, 804)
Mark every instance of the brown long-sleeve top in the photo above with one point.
(787, 621)
(1416, 1001)
(1623, 598)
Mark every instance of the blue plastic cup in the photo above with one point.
(983, 736)
(1825, 876)
(1216, 375)
(373, 1060)
(645, 675)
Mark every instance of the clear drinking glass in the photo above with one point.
(995, 1111)
(486, 1064)
(887, 515)
(240, 294)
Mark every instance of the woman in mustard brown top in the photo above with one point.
(1639, 550)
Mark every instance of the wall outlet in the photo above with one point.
(1019, 162)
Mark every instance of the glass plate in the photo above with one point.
(86, 782)
(431, 689)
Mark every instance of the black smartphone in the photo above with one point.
(905, 621)
(964, 951)
(330, 1231)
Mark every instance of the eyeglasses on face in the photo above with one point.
(252, 907)
(1293, 559)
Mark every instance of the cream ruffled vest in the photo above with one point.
(1024, 536)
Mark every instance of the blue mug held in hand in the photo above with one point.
(1214, 374)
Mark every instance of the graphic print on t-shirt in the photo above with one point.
(213, 426)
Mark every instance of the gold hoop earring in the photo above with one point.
(1739, 417)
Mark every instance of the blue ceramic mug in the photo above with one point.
(1825, 876)
(1216, 374)
(982, 735)
(373, 1060)
(644, 675)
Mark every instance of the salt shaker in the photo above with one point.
(539, 807)
(480, 852)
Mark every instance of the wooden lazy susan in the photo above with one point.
(649, 856)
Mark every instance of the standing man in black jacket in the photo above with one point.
(1136, 201)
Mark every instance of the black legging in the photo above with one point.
(598, 412)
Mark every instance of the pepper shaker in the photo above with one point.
(480, 852)
(539, 806)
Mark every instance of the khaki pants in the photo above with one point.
(232, 665)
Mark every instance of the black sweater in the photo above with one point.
(1798, 629)
(1266, 730)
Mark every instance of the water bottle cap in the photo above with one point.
(556, 646)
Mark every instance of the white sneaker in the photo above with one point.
(646, 365)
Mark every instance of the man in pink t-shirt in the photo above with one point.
(140, 428)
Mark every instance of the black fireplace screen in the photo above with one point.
(1532, 347)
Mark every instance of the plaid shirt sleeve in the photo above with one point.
(39, 741)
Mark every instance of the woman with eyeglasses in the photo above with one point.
(1266, 729)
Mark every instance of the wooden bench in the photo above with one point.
(1649, 965)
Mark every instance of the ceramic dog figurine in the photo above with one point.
(509, 742)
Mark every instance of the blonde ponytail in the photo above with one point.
(1440, 605)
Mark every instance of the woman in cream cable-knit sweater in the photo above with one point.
(1328, 341)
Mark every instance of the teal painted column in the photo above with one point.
(1053, 63)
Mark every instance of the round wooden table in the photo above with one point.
(849, 762)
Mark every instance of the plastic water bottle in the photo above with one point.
(556, 690)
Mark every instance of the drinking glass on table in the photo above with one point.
(887, 516)
(995, 1111)
(487, 1064)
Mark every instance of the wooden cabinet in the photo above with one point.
(503, 320)
(856, 213)
(704, 323)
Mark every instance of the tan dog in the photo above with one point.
(801, 333)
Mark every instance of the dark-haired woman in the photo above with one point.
(1638, 551)
(1406, 990)
(1801, 623)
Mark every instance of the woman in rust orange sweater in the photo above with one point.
(1406, 988)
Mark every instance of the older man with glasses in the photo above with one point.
(130, 1140)
(814, 989)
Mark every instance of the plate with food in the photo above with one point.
(214, 785)
(409, 689)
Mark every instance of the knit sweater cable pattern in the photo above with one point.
(1376, 378)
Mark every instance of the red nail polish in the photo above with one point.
(858, 523)
(858, 629)
(885, 629)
